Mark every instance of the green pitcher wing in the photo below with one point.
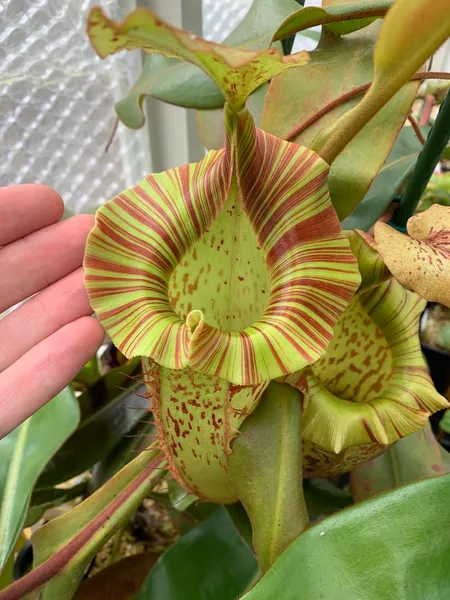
(237, 72)
(420, 260)
(145, 234)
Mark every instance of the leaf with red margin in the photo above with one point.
(338, 66)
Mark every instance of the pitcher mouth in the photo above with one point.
(390, 407)
(144, 233)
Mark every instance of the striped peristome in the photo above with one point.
(141, 235)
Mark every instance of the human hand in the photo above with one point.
(46, 341)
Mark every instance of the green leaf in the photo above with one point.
(119, 581)
(177, 82)
(436, 141)
(211, 561)
(338, 66)
(386, 185)
(236, 71)
(96, 436)
(396, 58)
(341, 18)
(23, 455)
(394, 547)
(416, 456)
(64, 547)
(265, 466)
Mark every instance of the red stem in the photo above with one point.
(416, 128)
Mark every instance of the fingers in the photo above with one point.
(38, 260)
(42, 315)
(27, 208)
(44, 370)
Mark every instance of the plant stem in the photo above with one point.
(435, 144)
(416, 128)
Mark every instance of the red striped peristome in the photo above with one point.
(144, 233)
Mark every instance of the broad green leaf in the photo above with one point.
(265, 466)
(176, 82)
(394, 547)
(416, 456)
(341, 18)
(211, 561)
(396, 58)
(420, 260)
(170, 80)
(338, 66)
(386, 185)
(119, 581)
(6, 575)
(96, 436)
(237, 72)
(23, 455)
(64, 547)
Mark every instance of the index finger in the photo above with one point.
(27, 208)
